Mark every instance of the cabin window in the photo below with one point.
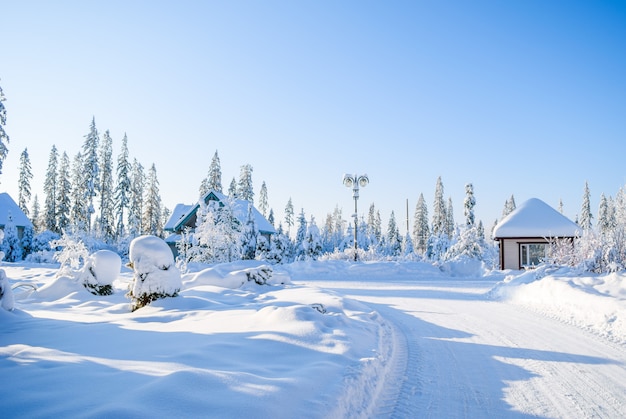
(532, 254)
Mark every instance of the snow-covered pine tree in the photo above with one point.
(408, 250)
(64, 194)
(11, 244)
(107, 202)
(289, 215)
(585, 210)
(439, 210)
(50, 191)
(232, 189)
(312, 243)
(263, 204)
(152, 205)
(509, 206)
(421, 231)
(450, 224)
(248, 238)
(244, 187)
(123, 188)
(26, 175)
(36, 215)
(4, 138)
(300, 236)
(468, 205)
(270, 218)
(91, 171)
(135, 209)
(79, 211)
(606, 215)
(394, 240)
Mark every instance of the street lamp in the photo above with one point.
(354, 182)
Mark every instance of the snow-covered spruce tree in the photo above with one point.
(4, 138)
(11, 245)
(270, 218)
(79, 210)
(421, 230)
(215, 174)
(450, 224)
(107, 202)
(408, 252)
(248, 237)
(509, 206)
(155, 274)
(394, 240)
(36, 215)
(300, 236)
(605, 220)
(312, 243)
(244, 187)
(50, 191)
(468, 205)
(585, 210)
(122, 188)
(281, 247)
(27, 240)
(232, 189)
(91, 171)
(289, 215)
(152, 221)
(135, 210)
(99, 271)
(263, 204)
(363, 238)
(439, 210)
(26, 175)
(64, 194)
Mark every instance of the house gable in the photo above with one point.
(9, 207)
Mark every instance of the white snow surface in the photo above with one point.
(322, 339)
(104, 266)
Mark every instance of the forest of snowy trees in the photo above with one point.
(105, 204)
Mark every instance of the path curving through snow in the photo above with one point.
(458, 354)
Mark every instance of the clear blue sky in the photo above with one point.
(523, 98)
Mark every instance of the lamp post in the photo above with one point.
(354, 182)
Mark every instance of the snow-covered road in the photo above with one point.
(456, 353)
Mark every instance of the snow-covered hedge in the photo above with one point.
(155, 273)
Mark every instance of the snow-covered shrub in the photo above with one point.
(6, 293)
(72, 255)
(100, 270)
(155, 273)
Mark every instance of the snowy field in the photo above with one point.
(323, 339)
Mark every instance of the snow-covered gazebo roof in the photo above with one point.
(535, 218)
(8, 206)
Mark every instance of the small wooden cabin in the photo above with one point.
(524, 235)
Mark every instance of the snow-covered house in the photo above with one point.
(8, 208)
(524, 235)
(184, 216)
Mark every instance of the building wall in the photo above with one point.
(510, 250)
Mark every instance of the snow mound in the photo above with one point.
(237, 274)
(7, 301)
(106, 266)
(594, 302)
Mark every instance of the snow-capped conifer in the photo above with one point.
(91, 171)
(394, 241)
(421, 230)
(585, 210)
(152, 221)
(263, 204)
(50, 190)
(289, 215)
(468, 205)
(64, 194)
(300, 236)
(11, 245)
(4, 138)
(312, 243)
(107, 203)
(439, 210)
(24, 189)
(248, 238)
(244, 187)
(79, 211)
(123, 187)
(135, 209)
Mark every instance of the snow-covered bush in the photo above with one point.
(72, 255)
(100, 270)
(6, 293)
(155, 273)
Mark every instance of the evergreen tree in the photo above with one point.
(107, 202)
(407, 246)
(509, 206)
(585, 211)
(123, 187)
(271, 218)
(152, 205)
(606, 215)
(36, 215)
(91, 171)
(312, 243)
(263, 205)
(439, 210)
(289, 215)
(300, 236)
(135, 210)
(213, 181)
(79, 209)
(26, 175)
(232, 189)
(249, 236)
(450, 224)
(244, 187)
(394, 240)
(468, 204)
(11, 244)
(64, 194)
(4, 138)
(50, 191)
(421, 231)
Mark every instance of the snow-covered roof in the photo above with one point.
(8, 206)
(183, 212)
(535, 218)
